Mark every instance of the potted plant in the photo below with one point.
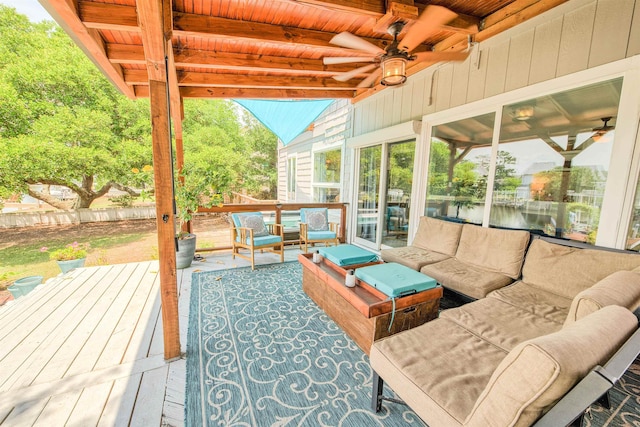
(195, 187)
(71, 256)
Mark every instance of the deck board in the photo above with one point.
(72, 336)
(86, 348)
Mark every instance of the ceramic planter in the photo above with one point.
(71, 264)
(186, 251)
(22, 287)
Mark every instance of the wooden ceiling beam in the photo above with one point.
(381, 9)
(108, 16)
(133, 54)
(505, 18)
(66, 14)
(256, 93)
(375, 8)
(211, 26)
(190, 79)
(231, 93)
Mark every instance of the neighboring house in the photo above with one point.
(546, 82)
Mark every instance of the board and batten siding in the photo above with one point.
(330, 129)
(573, 37)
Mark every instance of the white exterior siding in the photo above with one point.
(331, 129)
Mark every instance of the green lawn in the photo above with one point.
(26, 259)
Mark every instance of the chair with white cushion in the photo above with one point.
(316, 228)
(250, 232)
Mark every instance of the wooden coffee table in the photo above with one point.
(363, 312)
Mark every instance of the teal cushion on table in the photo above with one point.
(321, 235)
(395, 279)
(264, 240)
(343, 255)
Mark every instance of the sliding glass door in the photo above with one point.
(384, 194)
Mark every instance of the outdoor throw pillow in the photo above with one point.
(317, 220)
(256, 222)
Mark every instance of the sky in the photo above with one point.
(32, 8)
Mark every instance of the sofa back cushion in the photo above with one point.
(620, 288)
(438, 235)
(538, 372)
(501, 251)
(567, 271)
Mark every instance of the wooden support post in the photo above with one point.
(162, 167)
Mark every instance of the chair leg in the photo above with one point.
(253, 262)
(376, 393)
(282, 252)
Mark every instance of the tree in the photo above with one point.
(262, 145)
(63, 123)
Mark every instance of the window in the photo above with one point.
(459, 167)
(291, 179)
(553, 160)
(326, 176)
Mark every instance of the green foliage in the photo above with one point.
(581, 178)
(70, 252)
(199, 185)
(123, 201)
(62, 123)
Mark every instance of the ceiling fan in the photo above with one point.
(390, 62)
(603, 130)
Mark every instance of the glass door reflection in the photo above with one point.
(368, 191)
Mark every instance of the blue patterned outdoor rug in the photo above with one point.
(261, 353)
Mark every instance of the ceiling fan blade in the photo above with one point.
(331, 60)
(370, 80)
(346, 39)
(441, 56)
(351, 74)
(427, 24)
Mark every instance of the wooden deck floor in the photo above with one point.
(86, 348)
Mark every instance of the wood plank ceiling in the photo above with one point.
(263, 48)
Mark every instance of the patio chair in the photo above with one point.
(250, 232)
(316, 228)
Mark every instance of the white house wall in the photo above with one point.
(575, 36)
(330, 130)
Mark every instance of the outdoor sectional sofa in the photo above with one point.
(508, 357)
(465, 258)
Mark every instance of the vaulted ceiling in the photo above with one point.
(264, 48)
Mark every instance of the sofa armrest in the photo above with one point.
(620, 288)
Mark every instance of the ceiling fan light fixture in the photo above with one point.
(524, 113)
(393, 71)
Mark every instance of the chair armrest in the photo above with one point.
(335, 227)
(244, 233)
(304, 227)
(276, 229)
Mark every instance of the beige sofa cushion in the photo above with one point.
(502, 324)
(568, 271)
(412, 256)
(620, 288)
(439, 369)
(437, 235)
(534, 300)
(500, 251)
(537, 373)
(464, 278)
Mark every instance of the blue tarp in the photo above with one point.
(287, 119)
